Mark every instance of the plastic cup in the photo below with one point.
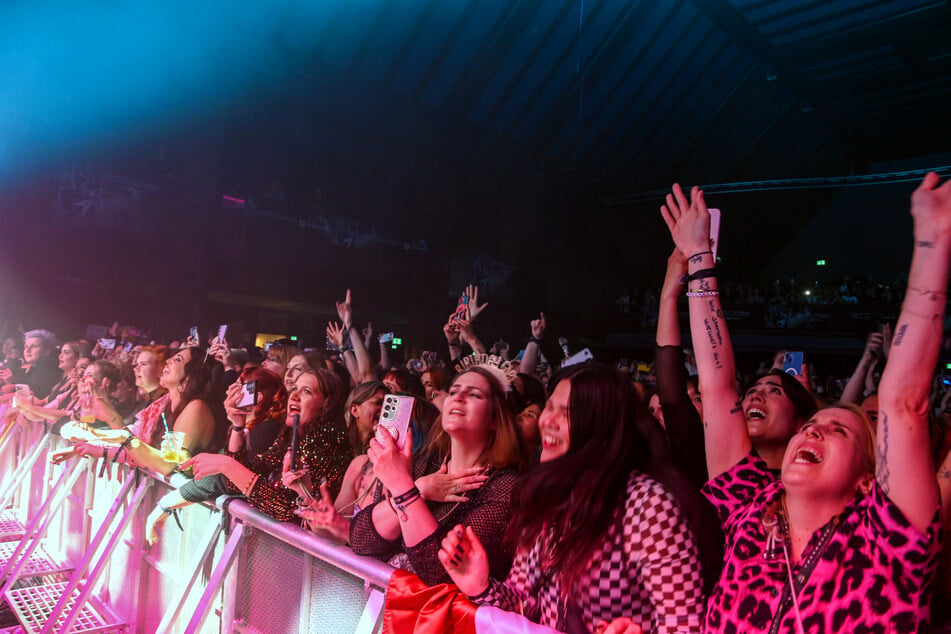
(172, 446)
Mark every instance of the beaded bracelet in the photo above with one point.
(702, 293)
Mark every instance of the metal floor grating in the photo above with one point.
(33, 606)
(39, 563)
(10, 526)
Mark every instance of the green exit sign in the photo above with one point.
(820, 262)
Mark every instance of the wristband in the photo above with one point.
(702, 293)
(701, 274)
(535, 340)
(454, 344)
(699, 253)
(173, 513)
(236, 428)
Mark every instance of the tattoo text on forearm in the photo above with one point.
(900, 335)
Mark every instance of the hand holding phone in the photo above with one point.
(395, 418)
(792, 363)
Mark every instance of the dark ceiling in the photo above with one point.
(635, 93)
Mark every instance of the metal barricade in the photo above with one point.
(231, 568)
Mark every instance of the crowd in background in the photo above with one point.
(679, 494)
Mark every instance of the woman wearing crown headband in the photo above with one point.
(846, 538)
(464, 474)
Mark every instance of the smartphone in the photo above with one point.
(23, 390)
(249, 395)
(395, 418)
(267, 346)
(792, 363)
(462, 308)
(222, 331)
(386, 337)
(579, 357)
(128, 346)
(193, 333)
(714, 231)
(107, 344)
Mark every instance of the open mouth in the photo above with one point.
(807, 455)
(755, 413)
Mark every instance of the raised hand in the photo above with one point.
(367, 335)
(451, 330)
(676, 270)
(538, 326)
(931, 209)
(345, 311)
(688, 222)
(237, 416)
(474, 308)
(439, 486)
(464, 558)
(335, 334)
(390, 465)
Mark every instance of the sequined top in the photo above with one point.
(324, 449)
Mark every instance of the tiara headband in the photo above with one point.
(501, 369)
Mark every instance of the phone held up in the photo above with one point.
(395, 418)
(249, 394)
(792, 363)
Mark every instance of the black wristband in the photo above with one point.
(701, 274)
(534, 339)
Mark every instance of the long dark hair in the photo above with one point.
(204, 380)
(577, 495)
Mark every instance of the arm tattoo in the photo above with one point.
(925, 244)
(696, 259)
(704, 285)
(945, 474)
(882, 472)
(899, 335)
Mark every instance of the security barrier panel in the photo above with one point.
(74, 557)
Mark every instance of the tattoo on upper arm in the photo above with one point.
(945, 474)
(882, 472)
(899, 335)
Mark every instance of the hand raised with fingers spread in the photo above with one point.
(345, 311)
(474, 307)
(335, 334)
(688, 222)
(464, 558)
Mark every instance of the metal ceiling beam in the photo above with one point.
(761, 49)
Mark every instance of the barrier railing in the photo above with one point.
(74, 556)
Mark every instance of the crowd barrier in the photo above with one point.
(74, 557)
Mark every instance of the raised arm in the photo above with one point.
(726, 438)
(903, 461)
(682, 421)
(855, 388)
(529, 364)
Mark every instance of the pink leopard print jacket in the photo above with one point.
(874, 575)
